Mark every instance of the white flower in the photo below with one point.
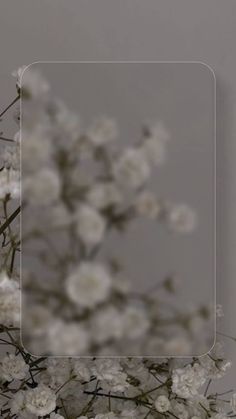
(187, 381)
(30, 81)
(233, 402)
(9, 183)
(109, 371)
(89, 284)
(219, 310)
(181, 219)
(146, 205)
(154, 145)
(102, 131)
(9, 301)
(106, 324)
(132, 168)
(67, 339)
(81, 369)
(135, 322)
(162, 404)
(36, 148)
(214, 368)
(103, 195)
(13, 367)
(17, 405)
(56, 416)
(40, 401)
(90, 225)
(43, 188)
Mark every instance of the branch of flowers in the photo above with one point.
(207, 387)
(63, 406)
(10, 105)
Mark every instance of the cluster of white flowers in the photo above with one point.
(93, 310)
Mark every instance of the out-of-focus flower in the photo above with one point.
(103, 195)
(106, 324)
(68, 339)
(102, 131)
(13, 367)
(135, 321)
(89, 284)
(181, 219)
(36, 148)
(132, 169)
(31, 82)
(9, 301)
(43, 188)
(154, 145)
(90, 225)
(147, 205)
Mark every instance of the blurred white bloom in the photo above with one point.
(9, 301)
(187, 381)
(36, 148)
(9, 183)
(56, 416)
(58, 371)
(162, 404)
(68, 339)
(132, 169)
(40, 401)
(219, 311)
(146, 205)
(90, 225)
(180, 345)
(102, 131)
(181, 219)
(42, 188)
(103, 195)
(154, 145)
(13, 367)
(233, 402)
(67, 121)
(106, 324)
(89, 284)
(135, 322)
(31, 81)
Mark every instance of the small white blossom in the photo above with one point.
(56, 416)
(146, 205)
(103, 195)
(89, 284)
(162, 404)
(187, 381)
(135, 322)
(102, 131)
(40, 401)
(90, 225)
(154, 145)
(68, 339)
(181, 219)
(43, 188)
(13, 368)
(132, 168)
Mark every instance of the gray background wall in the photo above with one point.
(202, 30)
